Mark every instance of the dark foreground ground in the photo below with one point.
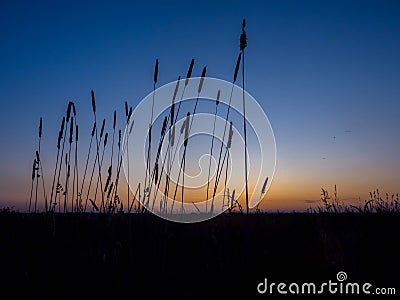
(143, 257)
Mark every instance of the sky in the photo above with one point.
(326, 74)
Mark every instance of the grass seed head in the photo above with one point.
(102, 128)
(71, 130)
(203, 74)
(40, 127)
(126, 109)
(105, 139)
(243, 37)
(93, 102)
(156, 72)
(189, 73)
(176, 89)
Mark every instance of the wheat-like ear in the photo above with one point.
(105, 139)
(73, 109)
(203, 74)
(183, 126)
(76, 133)
(102, 128)
(108, 180)
(218, 96)
(176, 89)
(230, 137)
(187, 121)
(189, 73)
(60, 133)
(129, 114)
(172, 136)
(237, 67)
(156, 173)
(93, 102)
(243, 37)
(164, 126)
(34, 169)
(71, 130)
(119, 138)
(40, 127)
(62, 125)
(69, 110)
(156, 72)
(110, 189)
(126, 109)
(264, 187)
(115, 119)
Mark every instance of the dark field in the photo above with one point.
(140, 254)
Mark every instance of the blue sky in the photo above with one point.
(318, 68)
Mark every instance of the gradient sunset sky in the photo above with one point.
(327, 74)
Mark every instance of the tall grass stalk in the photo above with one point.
(212, 146)
(118, 169)
(243, 45)
(148, 160)
(173, 122)
(235, 74)
(75, 180)
(189, 126)
(171, 141)
(184, 128)
(67, 164)
(128, 120)
(100, 164)
(86, 166)
(155, 174)
(219, 172)
(37, 174)
(60, 134)
(97, 145)
(32, 184)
